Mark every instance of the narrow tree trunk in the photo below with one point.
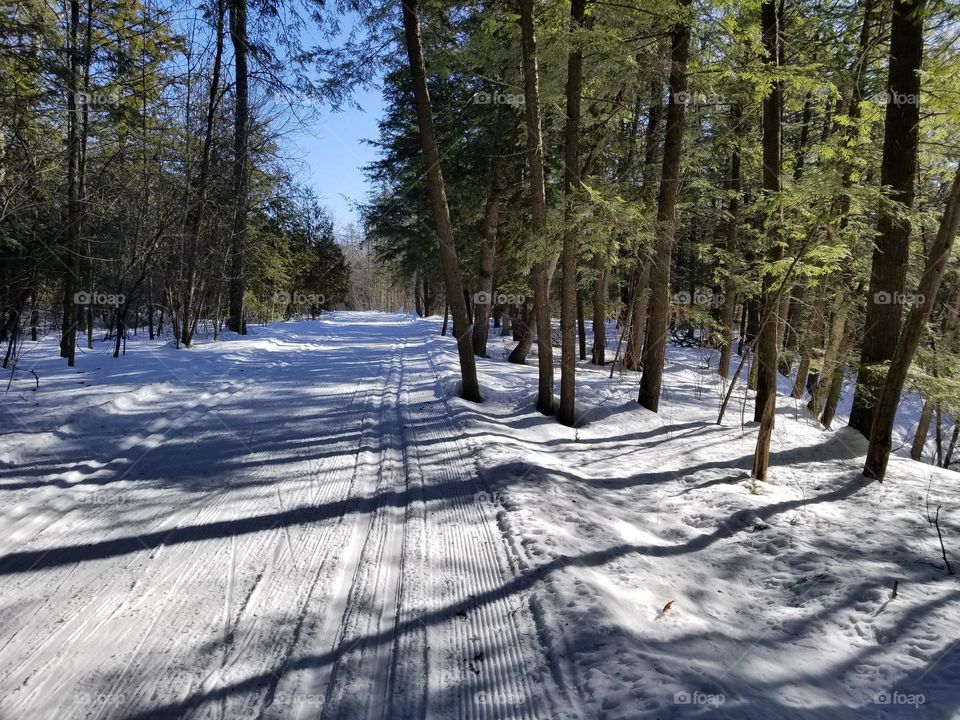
(581, 326)
(833, 356)
(923, 429)
(571, 180)
(241, 169)
(438, 201)
(729, 306)
(951, 326)
(71, 254)
(655, 343)
(540, 276)
(189, 290)
(599, 305)
(948, 456)
(886, 408)
(637, 326)
(640, 281)
(766, 401)
(488, 247)
(891, 253)
(523, 333)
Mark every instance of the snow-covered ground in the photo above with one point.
(308, 523)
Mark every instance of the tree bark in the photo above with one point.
(571, 181)
(488, 247)
(951, 326)
(640, 281)
(891, 253)
(542, 270)
(886, 408)
(581, 325)
(766, 400)
(729, 306)
(241, 169)
(438, 201)
(655, 342)
(71, 254)
(188, 292)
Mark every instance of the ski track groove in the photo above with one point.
(84, 623)
(412, 538)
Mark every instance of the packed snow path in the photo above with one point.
(287, 527)
(307, 522)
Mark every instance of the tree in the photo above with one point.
(655, 343)
(568, 298)
(542, 269)
(241, 170)
(766, 401)
(878, 454)
(441, 214)
(891, 253)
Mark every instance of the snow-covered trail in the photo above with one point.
(291, 525)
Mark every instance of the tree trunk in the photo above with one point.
(540, 276)
(766, 401)
(598, 354)
(438, 201)
(952, 445)
(188, 291)
(891, 253)
(640, 282)
(833, 355)
(488, 247)
(886, 408)
(241, 169)
(581, 326)
(951, 326)
(71, 254)
(655, 343)
(729, 306)
(571, 181)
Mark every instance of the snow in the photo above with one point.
(308, 523)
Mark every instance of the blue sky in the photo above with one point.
(333, 153)
(332, 147)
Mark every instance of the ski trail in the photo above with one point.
(341, 561)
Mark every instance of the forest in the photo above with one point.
(778, 181)
(775, 180)
(648, 326)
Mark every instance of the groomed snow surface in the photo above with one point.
(308, 523)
